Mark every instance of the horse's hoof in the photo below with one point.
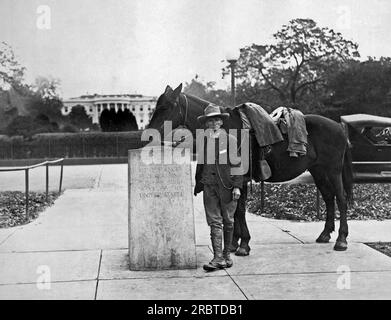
(340, 246)
(323, 239)
(233, 248)
(242, 252)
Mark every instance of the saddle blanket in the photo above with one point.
(265, 129)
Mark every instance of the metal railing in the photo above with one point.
(28, 168)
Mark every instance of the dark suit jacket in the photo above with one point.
(224, 169)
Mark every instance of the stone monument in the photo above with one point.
(161, 217)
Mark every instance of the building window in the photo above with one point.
(90, 109)
(141, 121)
(141, 108)
(66, 109)
(133, 108)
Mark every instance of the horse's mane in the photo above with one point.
(234, 113)
(204, 103)
(196, 99)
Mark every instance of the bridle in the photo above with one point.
(183, 115)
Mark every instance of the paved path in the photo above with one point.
(80, 244)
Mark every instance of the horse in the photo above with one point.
(327, 159)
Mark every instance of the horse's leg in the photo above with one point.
(244, 248)
(327, 191)
(336, 180)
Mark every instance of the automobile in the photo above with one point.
(370, 142)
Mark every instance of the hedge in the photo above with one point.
(70, 145)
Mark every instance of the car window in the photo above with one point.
(377, 135)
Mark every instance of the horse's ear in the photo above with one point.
(168, 90)
(177, 91)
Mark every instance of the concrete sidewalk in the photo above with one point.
(80, 245)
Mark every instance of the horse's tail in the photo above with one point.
(347, 175)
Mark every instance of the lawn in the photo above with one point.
(298, 202)
(383, 247)
(13, 207)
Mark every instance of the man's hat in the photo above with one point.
(210, 111)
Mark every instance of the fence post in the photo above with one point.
(116, 140)
(27, 191)
(47, 182)
(61, 173)
(12, 149)
(262, 195)
(84, 148)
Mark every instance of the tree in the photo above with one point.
(21, 99)
(113, 120)
(47, 87)
(207, 91)
(18, 98)
(298, 62)
(10, 69)
(79, 118)
(104, 120)
(45, 98)
(21, 125)
(51, 107)
(43, 124)
(197, 88)
(119, 120)
(131, 122)
(362, 87)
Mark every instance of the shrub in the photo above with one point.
(71, 145)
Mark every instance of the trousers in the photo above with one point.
(219, 206)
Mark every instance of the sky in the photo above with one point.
(140, 46)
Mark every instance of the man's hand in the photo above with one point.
(236, 194)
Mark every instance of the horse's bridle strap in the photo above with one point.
(184, 117)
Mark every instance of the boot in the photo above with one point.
(218, 262)
(228, 235)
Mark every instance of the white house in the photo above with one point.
(141, 106)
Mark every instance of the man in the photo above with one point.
(220, 186)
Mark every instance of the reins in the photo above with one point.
(184, 117)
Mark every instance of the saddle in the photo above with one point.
(263, 133)
(267, 129)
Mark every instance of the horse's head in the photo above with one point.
(167, 109)
(181, 109)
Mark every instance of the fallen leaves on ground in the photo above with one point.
(13, 207)
(298, 202)
(383, 247)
